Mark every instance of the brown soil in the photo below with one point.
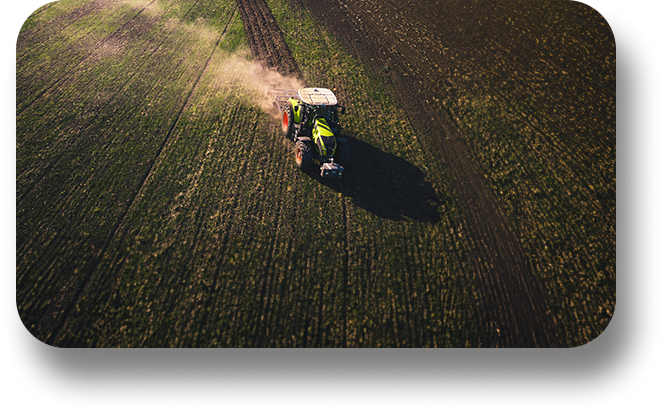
(512, 307)
(389, 37)
(265, 38)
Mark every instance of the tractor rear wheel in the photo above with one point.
(304, 156)
(288, 122)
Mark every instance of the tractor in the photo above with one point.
(310, 117)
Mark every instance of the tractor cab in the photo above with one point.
(318, 103)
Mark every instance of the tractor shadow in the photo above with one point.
(385, 185)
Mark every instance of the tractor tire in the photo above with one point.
(304, 156)
(288, 122)
(342, 156)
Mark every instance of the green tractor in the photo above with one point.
(310, 117)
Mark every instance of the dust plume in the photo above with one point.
(251, 79)
(235, 73)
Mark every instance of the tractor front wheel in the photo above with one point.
(304, 156)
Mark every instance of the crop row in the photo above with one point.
(227, 244)
(84, 149)
(405, 269)
(158, 205)
(531, 88)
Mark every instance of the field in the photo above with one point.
(158, 203)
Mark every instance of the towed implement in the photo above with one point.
(310, 117)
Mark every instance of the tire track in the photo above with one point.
(54, 337)
(66, 146)
(266, 39)
(510, 303)
(345, 217)
(92, 53)
(91, 122)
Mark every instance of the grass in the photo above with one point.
(378, 120)
(558, 198)
(158, 205)
(542, 130)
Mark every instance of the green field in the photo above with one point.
(158, 203)
(172, 207)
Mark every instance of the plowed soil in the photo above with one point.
(158, 204)
(265, 38)
(511, 299)
(400, 38)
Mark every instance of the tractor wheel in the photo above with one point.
(288, 122)
(304, 156)
(343, 154)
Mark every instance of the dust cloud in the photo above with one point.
(251, 79)
(232, 73)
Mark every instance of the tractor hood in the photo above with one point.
(324, 138)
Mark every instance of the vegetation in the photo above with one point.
(170, 212)
(158, 204)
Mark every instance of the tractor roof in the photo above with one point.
(317, 96)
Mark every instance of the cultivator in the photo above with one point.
(310, 117)
(281, 97)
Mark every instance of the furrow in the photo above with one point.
(86, 280)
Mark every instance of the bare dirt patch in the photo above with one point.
(265, 38)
